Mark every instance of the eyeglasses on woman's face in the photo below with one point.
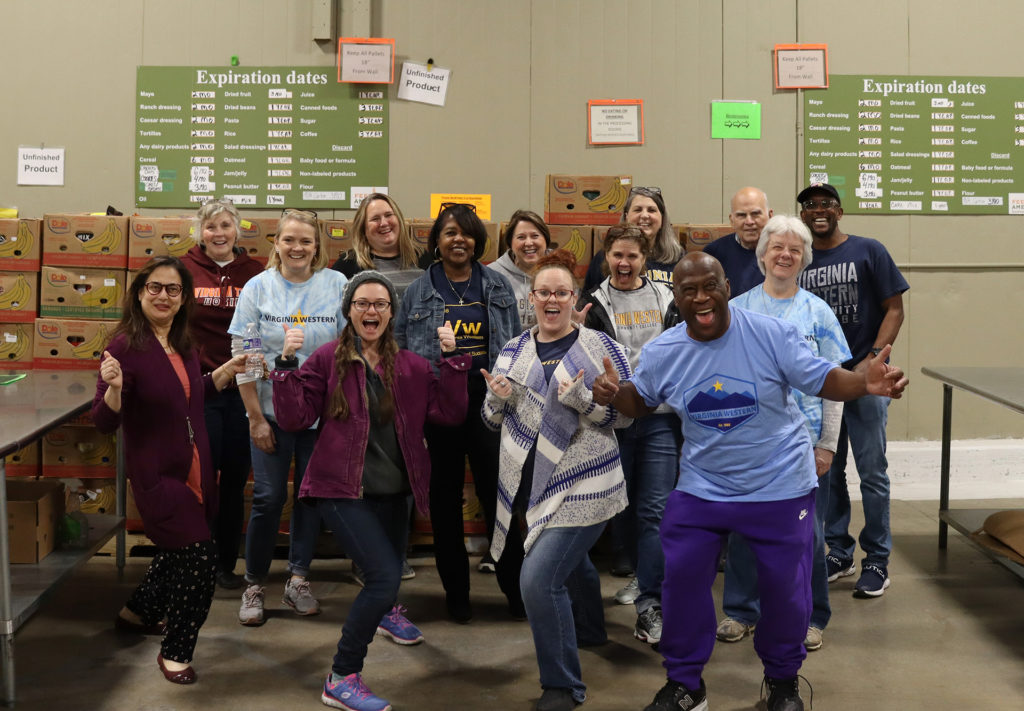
(155, 287)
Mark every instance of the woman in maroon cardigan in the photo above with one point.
(149, 384)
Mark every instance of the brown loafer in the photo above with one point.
(156, 629)
(185, 676)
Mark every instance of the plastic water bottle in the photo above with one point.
(252, 346)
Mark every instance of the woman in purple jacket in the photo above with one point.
(372, 400)
(149, 385)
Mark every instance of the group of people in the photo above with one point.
(647, 399)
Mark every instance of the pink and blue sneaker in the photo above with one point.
(351, 694)
(395, 626)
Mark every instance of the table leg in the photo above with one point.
(947, 417)
(6, 616)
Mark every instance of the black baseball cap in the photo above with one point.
(818, 188)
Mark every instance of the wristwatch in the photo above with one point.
(876, 351)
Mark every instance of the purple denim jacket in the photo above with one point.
(335, 469)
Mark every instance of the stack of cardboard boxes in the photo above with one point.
(580, 208)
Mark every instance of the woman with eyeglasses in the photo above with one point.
(219, 270)
(633, 309)
(150, 385)
(381, 241)
(645, 208)
(372, 401)
(295, 291)
(560, 475)
(480, 307)
(527, 239)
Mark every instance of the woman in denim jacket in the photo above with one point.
(480, 307)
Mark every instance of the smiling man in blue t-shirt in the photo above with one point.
(747, 466)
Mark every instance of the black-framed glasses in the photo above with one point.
(447, 205)
(362, 305)
(823, 204)
(561, 295)
(155, 287)
(649, 191)
(297, 211)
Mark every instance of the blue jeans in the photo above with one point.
(562, 594)
(864, 420)
(372, 533)
(649, 449)
(270, 491)
(740, 600)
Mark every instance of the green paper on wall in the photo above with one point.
(736, 119)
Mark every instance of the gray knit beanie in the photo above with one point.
(368, 276)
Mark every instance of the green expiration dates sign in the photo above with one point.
(918, 144)
(265, 137)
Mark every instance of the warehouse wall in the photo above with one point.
(521, 74)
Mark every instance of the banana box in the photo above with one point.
(79, 452)
(70, 344)
(578, 239)
(60, 388)
(85, 241)
(150, 237)
(19, 296)
(73, 292)
(16, 346)
(20, 245)
(24, 462)
(585, 199)
(700, 236)
(337, 235)
(257, 236)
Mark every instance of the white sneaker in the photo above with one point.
(628, 594)
(250, 613)
(297, 596)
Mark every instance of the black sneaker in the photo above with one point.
(873, 581)
(486, 564)
(228, 580)
(556, 700)
(783, 694)
(676, 697)
(838, 567)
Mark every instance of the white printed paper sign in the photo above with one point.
(418, 84)
(40, 166)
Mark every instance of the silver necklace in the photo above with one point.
(451, 286)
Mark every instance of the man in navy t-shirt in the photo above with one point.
(748, 213)
(858, 279)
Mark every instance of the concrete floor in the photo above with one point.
(948, 634)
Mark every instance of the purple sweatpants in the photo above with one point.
(781, 535)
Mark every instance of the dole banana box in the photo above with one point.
(20, 245)
(577, 239)
(70, 344)
(150, 237)
(19, 296)
(85, 241)
(75, 292)
(700, 236)
(337, 236)
(24, 462)
(257, 236)
(585, 199)
(79, 452)
(16, 347)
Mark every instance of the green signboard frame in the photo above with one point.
(268, 137)
(918, 144)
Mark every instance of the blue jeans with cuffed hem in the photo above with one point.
(270, 491)
(649, 449)
(863, 431)
(372, 532)
(562, 594)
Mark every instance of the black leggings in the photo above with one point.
(179, 586)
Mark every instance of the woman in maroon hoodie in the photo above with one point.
(150, 385)
(219, 270)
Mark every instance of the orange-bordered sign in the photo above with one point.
(366, 60)
(801, 66)
(615, 122)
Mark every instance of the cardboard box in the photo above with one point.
(76, 292)
(578, 239)
(19, 296)
(85, 241)
(150, 237)
(700, 236)
(20, 245)
(257, 236)
(81, 452)
(337, 236)
(69, 344)
(15, 346)
(34, 512)
(60, 388)
(585, 199)
(24, 462)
